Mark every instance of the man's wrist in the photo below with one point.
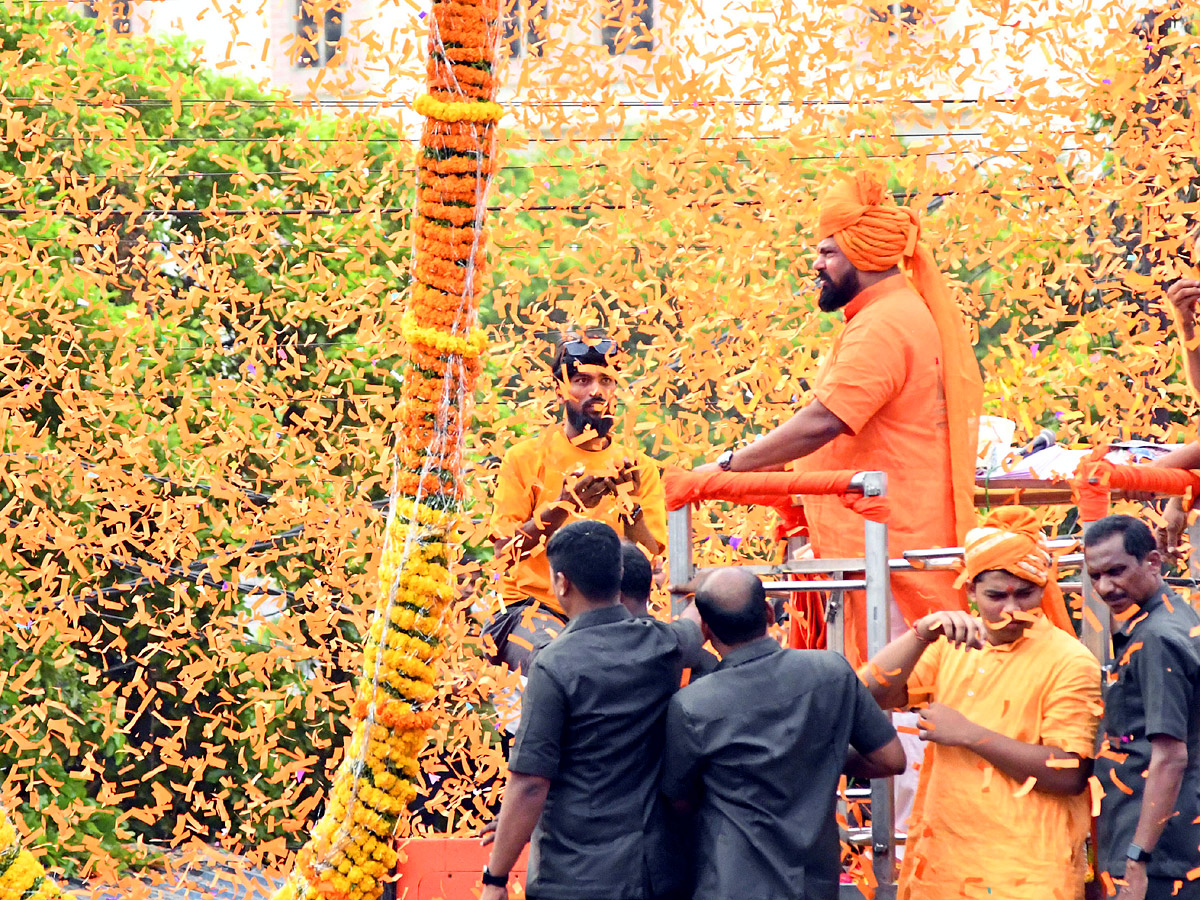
(491, 879)
(543, 514)
(925, 641)
(1137, 855)
(631, 517)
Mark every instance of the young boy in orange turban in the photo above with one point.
(899, 392)
(1010, 703)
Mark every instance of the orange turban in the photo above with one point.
(1011, 540)
(876, 234)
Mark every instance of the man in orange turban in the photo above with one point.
(1010, 703)
(899, 391)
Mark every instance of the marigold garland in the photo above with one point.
(21, 875)
(351, 851)
(457, 110)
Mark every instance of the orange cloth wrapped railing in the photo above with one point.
(769, 489)
(1096, 479)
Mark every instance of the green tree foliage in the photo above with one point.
(197, 360)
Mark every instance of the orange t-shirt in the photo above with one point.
(970, 835)
(533, 473)
(883, 379)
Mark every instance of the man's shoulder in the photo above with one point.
(818, 669)
(530, 447)
(900, 307)
(1173, 622)
(1066, 656)
(825, 662)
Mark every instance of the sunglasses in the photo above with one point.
(580, 349)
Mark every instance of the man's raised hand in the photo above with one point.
(586, 491)
(958, 627)
(630, 474)
(1184, 295)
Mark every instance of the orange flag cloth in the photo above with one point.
(876, 234)
(1096, 477)
(768, 489)
(1011, 539)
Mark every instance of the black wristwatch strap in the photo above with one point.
(493, 880)
(1137, 854)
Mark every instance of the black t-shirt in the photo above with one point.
(763, 741)
(592, 721)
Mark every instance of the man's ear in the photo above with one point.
(560, 584)
(1155, 560)
(770, 612)
(704, 630)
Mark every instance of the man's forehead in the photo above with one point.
(828, 245)
(1109, 550)
(595, 369)
(1000, 580)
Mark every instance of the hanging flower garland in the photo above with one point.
(21, 875)
(352, 850)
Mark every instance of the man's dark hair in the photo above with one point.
(589, 554)
(562, 360)
(637, 576)
(1136, 535)
(735, 612)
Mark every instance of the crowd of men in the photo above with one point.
(645, 768)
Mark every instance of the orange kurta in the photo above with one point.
(970, 835)
(883, 379)
(532, 475)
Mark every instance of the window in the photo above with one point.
(117, 14)
(627, 25)
(525, 26)
(319, 32)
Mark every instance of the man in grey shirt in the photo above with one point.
(585, 765)
(1149, 761)
(758, 747)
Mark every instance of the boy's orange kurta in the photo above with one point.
(903, 378)
(975, 832)
(1043, 688)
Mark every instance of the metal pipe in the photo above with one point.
(823, 586)
(679, 551)
(879, 602)
(1097, 627)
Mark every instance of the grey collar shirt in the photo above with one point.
(1152, 691)
(760, 745)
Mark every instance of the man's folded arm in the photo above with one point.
(886, 762)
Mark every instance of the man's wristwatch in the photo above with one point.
(725, 460)
(493, 880)
(633, 515)
(1137, 854)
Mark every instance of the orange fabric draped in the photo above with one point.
(1011, 539)
(876, 234)
(1096, 478)
(768, 488)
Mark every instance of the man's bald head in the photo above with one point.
(733, 604)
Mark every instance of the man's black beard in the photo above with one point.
(835, 296)
(581, 421)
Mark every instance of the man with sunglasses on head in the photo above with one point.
(578, 469)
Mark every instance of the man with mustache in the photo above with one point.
(1149, 761)
(576, 470)
(1010, 701)
(899, 391)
